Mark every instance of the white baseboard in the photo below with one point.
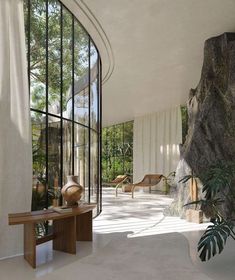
(9, 257)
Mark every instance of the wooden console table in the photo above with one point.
(67, 229)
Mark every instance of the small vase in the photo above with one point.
(72, 191)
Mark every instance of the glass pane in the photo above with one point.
(39, 160)
(67, 64)
(94, 85)
(119, 140)
(81, 65)
(119, 165)
(128, 139)
(94, 104)
(94, 166)
(38, 55)
(54, 57)
(117, 151)
(54, 153)
(111, 152)
(94, 57)
(81, 157)
(128, 166)
(67, 150)
(105, 174)
(62, 56)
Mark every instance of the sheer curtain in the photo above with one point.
(15, 132)
(156, 143)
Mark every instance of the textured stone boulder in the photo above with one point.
(211, 112)
(211, 107)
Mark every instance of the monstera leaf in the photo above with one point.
(218, 186)
(213, 240)
(210, 207)
(217, 179)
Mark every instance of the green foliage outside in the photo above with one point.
(117, 151)
(38, 52)
(58, 39)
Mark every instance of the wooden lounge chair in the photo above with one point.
(118, 181)
(149, 181)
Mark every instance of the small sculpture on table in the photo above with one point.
(72, 191)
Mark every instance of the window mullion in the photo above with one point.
(61, 97)
(47, 94)
(73, 95)
(89, 119)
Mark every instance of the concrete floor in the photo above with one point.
(126, 227)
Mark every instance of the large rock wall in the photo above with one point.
(211, 112)
(211, 107)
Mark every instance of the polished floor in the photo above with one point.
(132, 240)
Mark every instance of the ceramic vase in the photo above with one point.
(72, 191)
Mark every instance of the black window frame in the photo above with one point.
(48, 114)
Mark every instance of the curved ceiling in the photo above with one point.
(158, 50)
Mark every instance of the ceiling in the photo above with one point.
(157, 48)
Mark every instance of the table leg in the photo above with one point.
(30, 244)
(84, 227)
(65, 235)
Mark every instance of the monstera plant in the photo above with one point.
(218, 204)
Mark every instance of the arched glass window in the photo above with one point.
(64, 70)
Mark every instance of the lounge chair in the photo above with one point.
(149, 181)
(118, 181)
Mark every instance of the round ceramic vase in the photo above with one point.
(72, 191)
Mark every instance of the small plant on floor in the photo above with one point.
(218, 205)
(167, 180)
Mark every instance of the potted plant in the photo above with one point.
(218, 204)
(167, 180)
(55, 194)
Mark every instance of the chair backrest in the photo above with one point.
(119, 179)
(152, 179)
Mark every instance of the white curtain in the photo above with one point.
(15, 134)
(156, 143)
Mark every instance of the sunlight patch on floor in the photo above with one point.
(142, 216)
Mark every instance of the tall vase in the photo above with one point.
(72, 191)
